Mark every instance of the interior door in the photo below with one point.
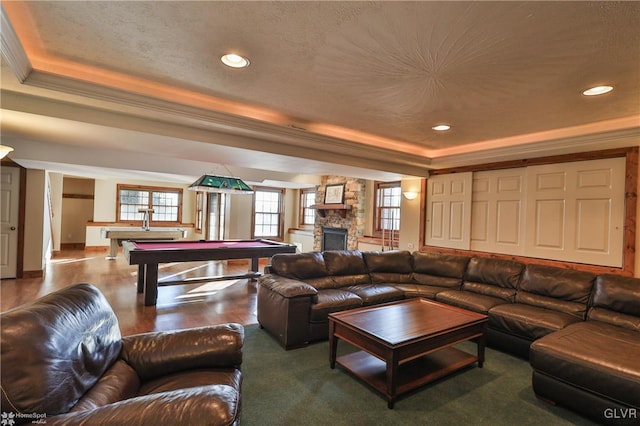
(9, 209)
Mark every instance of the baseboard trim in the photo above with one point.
(96, 248)
(33, 274)
(71, 246)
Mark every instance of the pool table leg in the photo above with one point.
(140, 278)
(113, 249)
(151, 284)
(255, 265)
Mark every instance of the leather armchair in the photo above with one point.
(63, 357)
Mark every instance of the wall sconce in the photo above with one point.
(4, 150)
(410, 195)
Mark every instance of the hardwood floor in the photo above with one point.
(180, 306)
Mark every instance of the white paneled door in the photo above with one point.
(9, 208)
(577, 213)
(497, 211)
(449, 210)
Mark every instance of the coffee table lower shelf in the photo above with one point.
(411, 375)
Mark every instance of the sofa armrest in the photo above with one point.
(160, 353)
(287, 287)
(213, 404)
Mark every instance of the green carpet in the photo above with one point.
(297, 387)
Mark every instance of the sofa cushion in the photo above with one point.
(346, 267)
(344, 262)
(301, 266)
(557, 289)
(616, 300)
(118, 383)
(78, 339)
(389, 266)
(594, 356)
(496, 278)
(372, 294)
(529, 322)
(419, 290)
(332, 300)
(193, 378)
(468, 300)
(322, 282)
(438, 269)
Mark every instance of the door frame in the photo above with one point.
(22, 202)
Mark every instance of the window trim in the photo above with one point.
(150, 189)
(301, 210)
(200, 219)
(377, 230)
(281, 212)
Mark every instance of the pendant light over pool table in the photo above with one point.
(221, 185)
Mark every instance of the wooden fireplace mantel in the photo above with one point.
(342, 209)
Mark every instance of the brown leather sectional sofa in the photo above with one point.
(63, 358)
(580, 331)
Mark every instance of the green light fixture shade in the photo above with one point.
(221, 184)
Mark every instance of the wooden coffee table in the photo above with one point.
(405, 344)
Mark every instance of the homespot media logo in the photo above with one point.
(621, 413)
(9, 419)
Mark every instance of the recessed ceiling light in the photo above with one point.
(598, 90)
(234, 61)
(441, 127)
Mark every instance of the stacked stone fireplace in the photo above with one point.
(349, 222)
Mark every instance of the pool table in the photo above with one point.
(148, 254)
(118, 235)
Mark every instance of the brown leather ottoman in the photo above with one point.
(591, 367)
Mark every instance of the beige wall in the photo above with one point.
(291, 211)
(56, 185)
(238, 223)
(409, 238)
(35, 222)
(104, 206)
(76, 212)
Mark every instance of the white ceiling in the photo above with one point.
(349, 88)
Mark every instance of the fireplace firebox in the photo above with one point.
(334, 238)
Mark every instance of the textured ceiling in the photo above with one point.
(492, 70)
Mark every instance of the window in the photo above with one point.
(307, 214)
(387, 206)
(267, 213)
(199, 211)
(165, 202)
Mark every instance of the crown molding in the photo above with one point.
(249, 133)
(581, 143)
(221, 121)
(215, 128)
(12, 49)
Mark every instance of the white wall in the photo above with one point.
(371, 247)
(302, 240)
